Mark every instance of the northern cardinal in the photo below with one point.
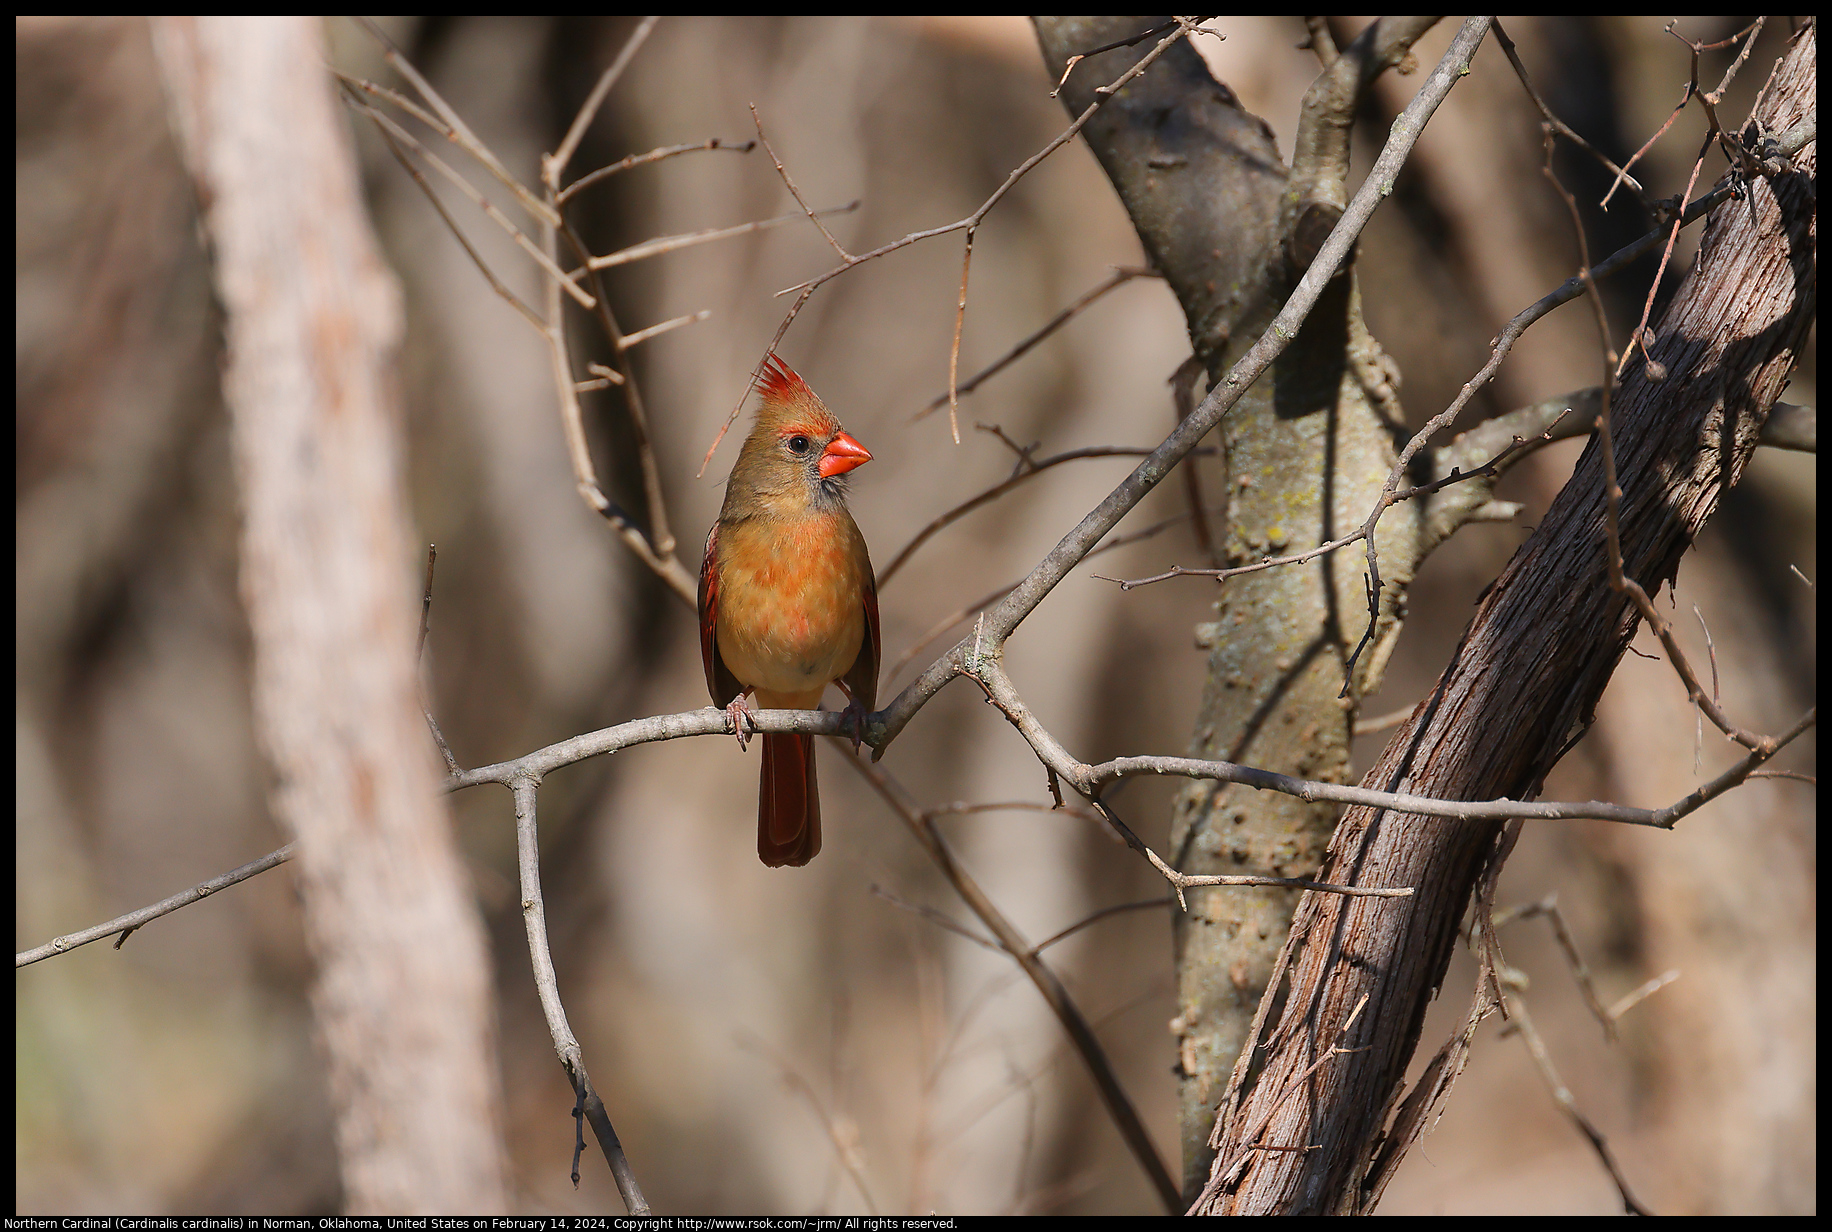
(788, 602)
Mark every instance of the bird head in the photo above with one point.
(796, 453)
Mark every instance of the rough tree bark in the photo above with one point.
(1232, 230)
(402, 993)
(1306, 1136)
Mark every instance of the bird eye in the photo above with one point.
(799, 444)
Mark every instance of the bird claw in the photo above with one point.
(854, 717)
(740, 712)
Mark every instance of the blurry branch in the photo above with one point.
(659, 538)
(845, 1145)
(1047, 983)
(1183, 398)
(1791, 427)
(1121, 274)
(451, 126)
(419, 656)
(556, 163)
(958, 615)
(940, 919)
(1638, 995)
(1026, 469)
(1521, 1021)
(655, 155)
(658, 553)
(395, 147)
(1105, 913)
(969, 224)
(1580, 970)
(673, 243)
(398, 137)
(311, 320)
(1382, 722)
(126, 924)
(1564, 130)
(656, 331)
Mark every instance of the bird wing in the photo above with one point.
(719, 680)
(862, 676)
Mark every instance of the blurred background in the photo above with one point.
(797, 1040)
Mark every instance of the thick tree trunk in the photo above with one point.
(402, 990)
(1307, 450)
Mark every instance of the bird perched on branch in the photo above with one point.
(788, 603)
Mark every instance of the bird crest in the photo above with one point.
(782, 390)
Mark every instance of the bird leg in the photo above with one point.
(854, 716)
(739, 710)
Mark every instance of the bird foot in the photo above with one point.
(739, 712)
(854, 717)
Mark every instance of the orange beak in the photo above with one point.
(841, 455)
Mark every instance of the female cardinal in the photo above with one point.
(788, 603)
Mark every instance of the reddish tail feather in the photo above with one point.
(788, 804)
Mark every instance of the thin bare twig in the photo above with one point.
(547, 988)
(673, 243)
(1642, 993)
(515, 233)
(795, 192)
(451, 225)
(1045, 980)
(1547, 908)
(844, 1148)
(1121, 274)
(969, 223)
(660, 535)
(656, 155)
(589, 109)
(456, 130)
(954, 351)
(1561, 1094)
(997, 490)
(954, 618)
(1133, 41)
(1564, 130)
(126, 924)
(1105, 913)
(656, 331)
(426, 602)
(939, 919)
